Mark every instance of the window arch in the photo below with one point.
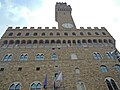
(84, 41)
(40, 57)
(89, 33)
(74, 41)
(103, 33)
(23, 57)
(10, 34)
(5, 42)
(110, 41)
(78, 41)
(51, 34)
(35, 34)
(64, 41)
(52, 41)
(81, 33)
(73, 56)
(27, 34)
(15, 86)
(17, 42)
(77, 70)
(35, 42)
(7, 57)
(99, 40)
(117, 67)
(73, 33)
(109, 55)
(29, 42)
(58, 34)
(54, 56)
(58, 41)
(19, 34)
(97, 56)
(89, 41)
(36, 86)
(111, 84)
(94, 41)
(105, 40)
(41, 42)
(66, 34)
(103, 68)
(46, 41)
(96, 33)
(43, 34)
(11, 42)
(69, 41)
(23, 42)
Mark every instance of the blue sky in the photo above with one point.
(40, 13)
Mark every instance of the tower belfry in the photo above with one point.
(63, 16)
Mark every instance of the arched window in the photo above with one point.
(41, 42)
(94, 41)
(81, 86)
(54, 56)
(66, 34)
(17, 42)
(58, 34)
(96, 33)
(46, 41)
(111, 84)
(51, 34)
(78, 41)
(7, 57)
(5, 42)
(81, 33)
(73, 33)
(64, 41)
(10, 34)
(19, 34)
(35, 42)
(69, 41)
(103, 68)
(89, 33)
(110, 41)
(40, 57)
(52, 41)
(11, 42)
(58, 41)
(29, 42)
(15, 86)
(117, 67)
(99, 40)
(36, 86)
(89, 41)
(105, 41)
(27, 34)
(43, 34)
(23, 57)
(35, 34)
(103, 33)
(74, 41)
(23, 42)
(97, 56)
(84, 41)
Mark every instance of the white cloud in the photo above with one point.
(0, 5)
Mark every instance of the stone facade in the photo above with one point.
(79, 72)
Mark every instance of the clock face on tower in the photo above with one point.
(67, 25)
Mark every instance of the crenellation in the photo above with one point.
(31, 28)
(24, 28)
(96, 28)
(10, 28)
(39, 28)
(17, 28)
(89, 28)
(81, 28)
(54, 28)
(103, 28)
(46, 28)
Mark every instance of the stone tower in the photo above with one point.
(66, 58)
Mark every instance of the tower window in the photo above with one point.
(35, 42)
(17, 42)
(46, 41)
(58, 34)
(103, 68)
(5, 42)
(24, 57)
(89, 41)
(54, 56)
(7, 57)
(51, 34)
(105, 41)
(52, 41)
(41, 42)
(78, 41)
(36, 86)
(73, 33)
(77, 71)
(81, 33)
(84, 41)
(20, 69)
(100, 41)
(29, 42)
(117, 67)
(58, 41)
(110, 41)
(97, 56)
(1, 69)
(94, 41)
(39, 57)
(37, 68)
(74, 41)
(96, 33)
(11, 42)
(43, 34)
(64, 41)
(23, 42)
(109, 55)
